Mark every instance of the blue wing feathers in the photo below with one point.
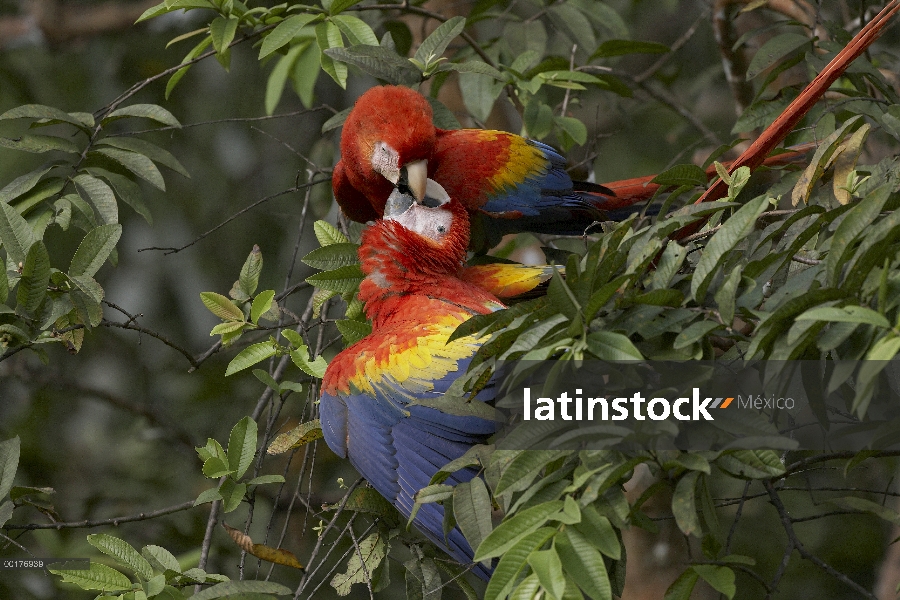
(398, 448)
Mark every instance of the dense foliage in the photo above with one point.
(799, 261)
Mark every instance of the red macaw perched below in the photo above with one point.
(415, 300)
(514, 183)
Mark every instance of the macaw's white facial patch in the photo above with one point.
(432, 223)
(385, 160)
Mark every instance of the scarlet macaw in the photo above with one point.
(515, 184)
(415, 300)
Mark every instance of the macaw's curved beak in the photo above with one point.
(398, 203)
(414, 177)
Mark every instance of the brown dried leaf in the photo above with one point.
(846, 162)
(279, 556)
(298, 436)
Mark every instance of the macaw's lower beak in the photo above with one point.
(414, 176)
(397, 204)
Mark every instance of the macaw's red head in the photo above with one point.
(415, 246)
(388, 131)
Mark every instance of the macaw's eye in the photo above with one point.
(441, 229)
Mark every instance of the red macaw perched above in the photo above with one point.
(516, 184)
(415, 300)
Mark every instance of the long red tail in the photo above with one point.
(778, 130)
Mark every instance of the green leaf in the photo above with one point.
(362, 563)
(35, 278)
(242, 446)
(513, 561)
(146, 111)
(9, 463)
(353, 331)
(207, 496)
(682, 587)
(861, 504)
(524, 468)
(6, 512)
(148, 149)
(847, 314)
(472, 66)
(622, 47)
(284, 32)
(739, 226)
(127, 190)
(43, 190)
(338, 6)
(98, 577)
(423, 581)
(123, 552)
(681, 175)
(315, 368)
(378, 62)
(472, 509)
(305, 74)
(160, 558)
(693, 333)
(138, 164)
(575, 128)
(609, 345)
(435, 44)
(215, 467)
(221, 306)
(854, 224)
(15, 234)
(333, 256)
(249, 277)
(329, 36)
(774, 50)
(249, 356)
(24, 183)
(232, 494)
(100, 195)
(684, 504)
(94, 249)
(86, 295)
(480, 92)
(549, 570)
(573, 23)
(298, 436)
(331, 124)
(751, 464)
(340, 280)
(719, 578)
(513, 529)
(40, 111)
(328, 234)
(261, 305)
(222, 31)
(356, 30)
(266, 479)
(599, 531)
(38, 144)
(279, 76)
(583, 563)
(233, 588)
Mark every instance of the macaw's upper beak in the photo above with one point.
(413, 177)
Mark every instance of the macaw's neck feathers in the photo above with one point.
(392, 250)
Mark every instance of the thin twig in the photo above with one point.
(115, 521)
